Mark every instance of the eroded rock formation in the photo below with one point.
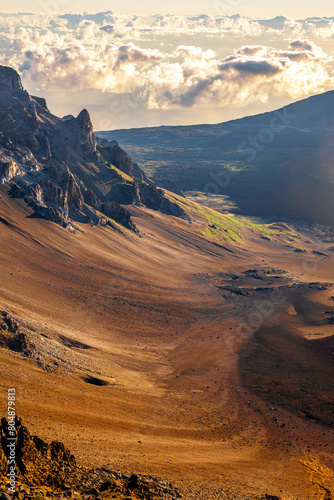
(56, 165)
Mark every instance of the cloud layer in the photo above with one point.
(156, 58)
(252, 73)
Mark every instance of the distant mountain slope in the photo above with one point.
(276, 164)
(56, 165)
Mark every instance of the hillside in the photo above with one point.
(276, 164)
(139, 338)
(173, 345)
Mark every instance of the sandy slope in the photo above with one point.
(156, 320)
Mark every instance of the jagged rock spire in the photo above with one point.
(88, 139)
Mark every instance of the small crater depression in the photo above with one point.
(95, 381)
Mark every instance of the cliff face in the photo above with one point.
(18, 115)
(57, 167)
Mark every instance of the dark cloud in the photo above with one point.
(302, 45)
(108, 28)
(251, 50)
(253, 67)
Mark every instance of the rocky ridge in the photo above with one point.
(50, 470)
(56, 165)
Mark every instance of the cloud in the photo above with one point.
(166, 60)
(303, 45)
(252, 74)
(235, 25)
(130, 54)
(108, 28)
(52, 61)
(194, 53)
(252, 50)
(74, 20)
(304, 50)
(249, 66)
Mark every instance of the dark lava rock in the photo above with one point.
(53, 469)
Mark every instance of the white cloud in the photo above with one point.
(55, 62)
(249, 61)
(252, 74)
(252, 50)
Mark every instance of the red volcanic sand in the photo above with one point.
(144, 317)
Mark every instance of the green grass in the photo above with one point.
(94, 172)
(125, 177)
(228, 228)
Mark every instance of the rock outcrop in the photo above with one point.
(155, 198)
(88, 140)
(37, 463)
(116, 156)
(56, 165)
(49, 469)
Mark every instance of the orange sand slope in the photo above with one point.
(207, 364)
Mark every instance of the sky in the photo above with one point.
(156, 69)
(254, 8)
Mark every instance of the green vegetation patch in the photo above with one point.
(228, 228)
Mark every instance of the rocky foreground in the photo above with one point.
(50, 470)
(46, 470)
